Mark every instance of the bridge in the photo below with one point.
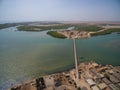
(75, 58)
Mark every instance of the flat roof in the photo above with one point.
(113, 79)
(90, 82)
(102, 85)
(113, 87)
(95, 88)
(105, 80)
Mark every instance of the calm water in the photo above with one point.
(26, 55)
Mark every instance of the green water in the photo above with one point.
(26, 55)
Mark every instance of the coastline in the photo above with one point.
(55, 82)
(81, 34)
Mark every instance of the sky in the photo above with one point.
(59, 10)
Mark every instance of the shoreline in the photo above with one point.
(49, 81)
(83, 34)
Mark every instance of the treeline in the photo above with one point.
(61, 26)
(56, 34)
(108, 31)
(88, 27)
(28, 27)
(7, 25)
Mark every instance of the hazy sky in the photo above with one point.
(59, 10)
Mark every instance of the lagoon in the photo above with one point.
(27, 55)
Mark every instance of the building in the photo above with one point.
(102, 86)
(90, 82)
(95, 88)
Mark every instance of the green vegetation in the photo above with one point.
(56, 34)
(28, 28)
(107, 76)
(32, 28)
(79, 88)
(108, 31)
(61, 26)
(6, 25)
(88, 28)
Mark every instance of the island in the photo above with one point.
(86, 33)
(74, 34)
(66, 30)
(79, 31)
(42, 27)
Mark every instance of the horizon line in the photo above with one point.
(70, 21)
